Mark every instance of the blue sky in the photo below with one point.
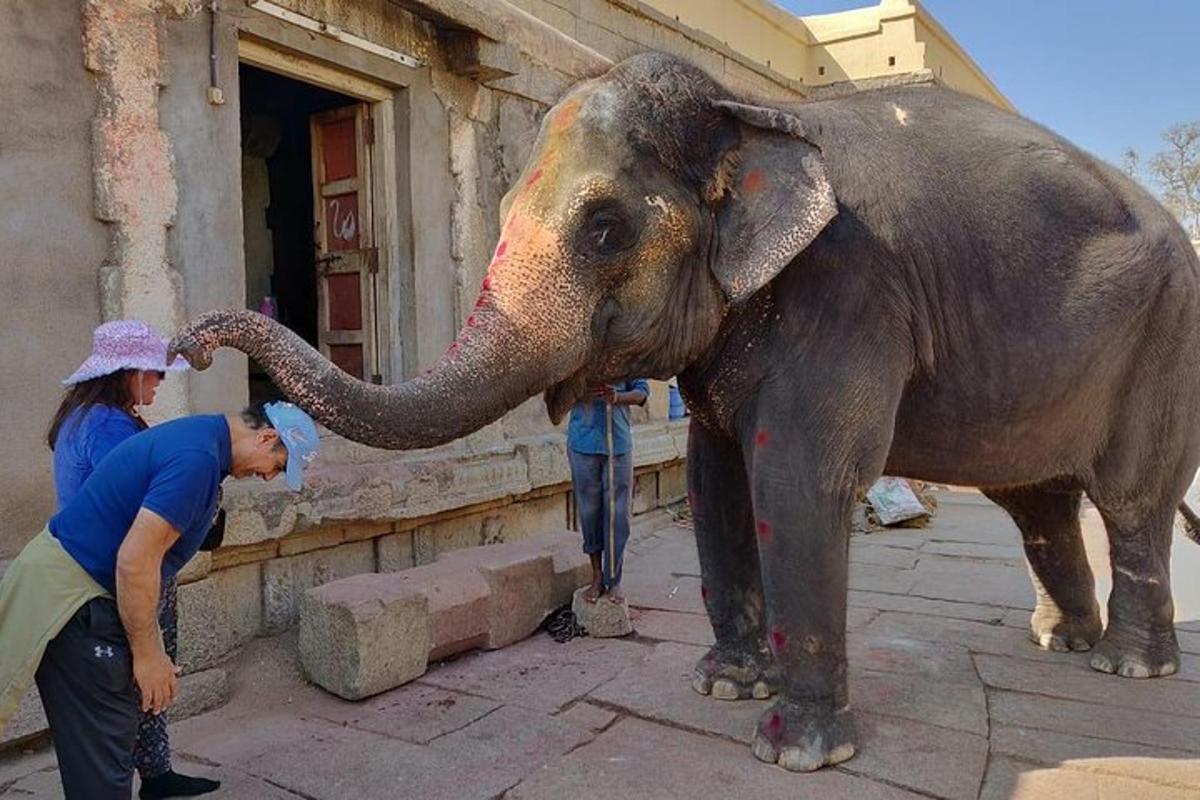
(1106, 74)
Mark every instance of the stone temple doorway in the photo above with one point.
(308, 218)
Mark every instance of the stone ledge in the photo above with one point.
(369, 633)
(375, 488)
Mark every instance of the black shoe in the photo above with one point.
(172, 784)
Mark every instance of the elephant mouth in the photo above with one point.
(563, 395)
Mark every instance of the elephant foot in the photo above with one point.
(1134, 655)
(1052, 629)
(732, 673)
(801, 738)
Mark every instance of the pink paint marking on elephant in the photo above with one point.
(764, 529)
(501, 248)
(754, 182)
(534, 178)
(703, 592)
(775, 724)
(565, 117)
(471, 320)
(760, 439)
(778, 639)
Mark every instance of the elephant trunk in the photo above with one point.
(486, 372)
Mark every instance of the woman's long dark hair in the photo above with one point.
(109, 390)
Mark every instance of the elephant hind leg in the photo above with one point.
(1140, 640)
(1067, 616)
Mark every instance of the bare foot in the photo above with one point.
(593, 592)
(614, 595)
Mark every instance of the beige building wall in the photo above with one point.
(891, 39)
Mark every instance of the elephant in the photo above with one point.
(904, 281)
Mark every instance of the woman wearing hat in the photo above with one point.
(99, 410)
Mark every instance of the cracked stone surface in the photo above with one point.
(952, 700)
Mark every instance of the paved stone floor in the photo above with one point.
(952, 700)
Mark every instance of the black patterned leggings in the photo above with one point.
(152, 750)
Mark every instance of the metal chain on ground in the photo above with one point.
(563, 626)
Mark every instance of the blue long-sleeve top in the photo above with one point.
(84, 439)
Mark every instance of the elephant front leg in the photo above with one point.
(740, 664)
(803, 542)
(806, 460)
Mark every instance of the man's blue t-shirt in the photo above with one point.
(586, 431)
(84, 439)
(173, 469)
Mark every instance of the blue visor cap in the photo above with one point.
(298, 433)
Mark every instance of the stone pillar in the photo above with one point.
(134, 184)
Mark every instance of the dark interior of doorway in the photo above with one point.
(277, 202)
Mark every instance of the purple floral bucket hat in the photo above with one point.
(125, 344)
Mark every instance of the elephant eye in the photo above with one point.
(606, 232)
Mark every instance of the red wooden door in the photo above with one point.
(347, 260)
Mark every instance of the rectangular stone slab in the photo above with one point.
(369, 633)
(363, 635)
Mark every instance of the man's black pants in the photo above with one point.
(91, 701)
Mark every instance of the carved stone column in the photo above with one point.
(134, 183)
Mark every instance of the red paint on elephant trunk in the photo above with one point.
(778, 639)
(764, 529)
(534, 178)
(760, 439)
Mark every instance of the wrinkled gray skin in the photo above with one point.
(906, 281)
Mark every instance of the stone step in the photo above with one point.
(198, 692)
(369, 633)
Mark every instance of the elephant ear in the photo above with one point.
(773, 198)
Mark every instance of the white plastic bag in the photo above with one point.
(894, 501)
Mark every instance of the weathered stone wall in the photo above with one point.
(51, 245)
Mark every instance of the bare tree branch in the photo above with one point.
(1177, 172)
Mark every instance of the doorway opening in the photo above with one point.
(307, 218)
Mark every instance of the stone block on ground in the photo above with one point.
(363, 635)
(285, 580)
(199, 692)
(571, 567)
(219, 613)
(369, 633)
(26, 723)
(603, 618)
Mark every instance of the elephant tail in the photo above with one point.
(1191, 522)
